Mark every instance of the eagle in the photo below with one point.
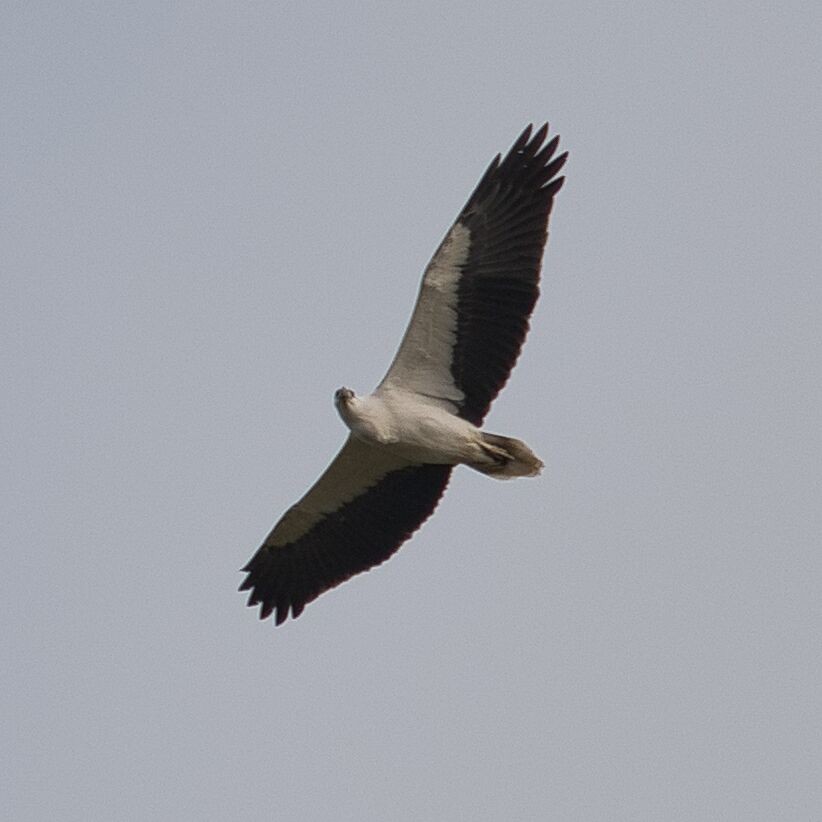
(425, 417)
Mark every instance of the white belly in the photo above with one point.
(418, 430)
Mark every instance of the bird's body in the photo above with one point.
(414, 427)
(424, 418)
(424, 430)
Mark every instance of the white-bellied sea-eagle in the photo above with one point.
(424, 418)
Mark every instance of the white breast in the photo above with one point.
(419, 429)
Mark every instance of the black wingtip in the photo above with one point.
(554, 186)
(507, 215)
(553, 168)
(539, 138)
(523, 138)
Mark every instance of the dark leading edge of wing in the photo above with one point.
(507, 216)
(360, 534)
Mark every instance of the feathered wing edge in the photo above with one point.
(362, 532)
(507, 217)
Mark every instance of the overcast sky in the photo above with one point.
(212, 215)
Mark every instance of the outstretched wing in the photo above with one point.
(359, 512)
(480, 287)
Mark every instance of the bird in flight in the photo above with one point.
(424, 418)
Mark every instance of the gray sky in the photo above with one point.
(214, 214)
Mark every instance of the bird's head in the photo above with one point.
(342, 396)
